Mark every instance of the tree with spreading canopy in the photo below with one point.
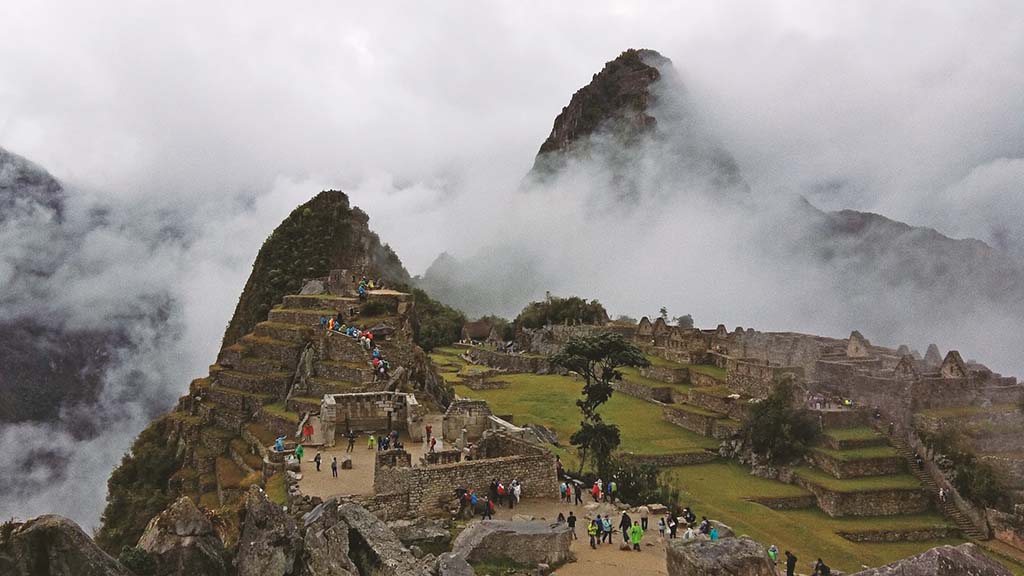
(597, 360)
(777, 429)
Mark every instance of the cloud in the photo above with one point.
(187, 131)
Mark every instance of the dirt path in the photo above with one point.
(606, 559)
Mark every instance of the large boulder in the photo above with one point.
(270, 541)
(719, 558)
(962, 560)
(54, 546)
(451, 564)
(374, 547)
(430, 536)
(527, 543)
(326, 552)
(182, 542)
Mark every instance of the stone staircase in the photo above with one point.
(948, 508)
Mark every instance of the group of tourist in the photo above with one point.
(389, 441)
(364, 287)
(335, 325)
(318, 459)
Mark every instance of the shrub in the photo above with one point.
(378, 308)
(777, 430)
(555, 310)
(137, 560)
(976, 481)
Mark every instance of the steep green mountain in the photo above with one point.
(321, 235)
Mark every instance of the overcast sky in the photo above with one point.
(215, 119)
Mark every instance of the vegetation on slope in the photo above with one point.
(555, 310)
(435, 325)
(137, 489)
(318, 236)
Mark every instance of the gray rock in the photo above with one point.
(375, 547)
(724, 531)
(313, 287)
(181, 540)
(326, 551)
(520, 542)
(720, 558)
(270, 541)
(427, 535)
(962, 560)
(451, 564)
(54, 546)
(346, 462)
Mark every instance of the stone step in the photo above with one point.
(232, 355)
(274, 384)
(259, 365)
(348, 371)
(341, 348)
(300, 316)
(236, 400)
(320, 302)
(293, 333)
(319, 386)
(287, 353)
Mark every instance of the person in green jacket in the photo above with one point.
(635, 534)
(299, 451)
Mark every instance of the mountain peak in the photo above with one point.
(619, 94)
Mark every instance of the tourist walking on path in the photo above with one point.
(673, 524)
(571, 521)
(517, 492)
(606, 524)
(351, 441)
(635, 534)
(773, 553)
(371, 442)
(488, 508)
(661, 528)
(299, 452)
(595, 491)
(317, 459)
(790, 564)
(334, 466)
(625, 523)
(821, 569)
(577, 488)
(645, 513)
(592, 532)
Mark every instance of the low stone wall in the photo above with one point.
(511, 363)
(735, 409)
(850, 444)
(843, 469)
(725, 429)
(669, 460)
(471, 415)
(277, 425)
(648, 393)
(692, 421)
(908, 535)
(787, 502)
(701, 380)
(869, 503)
(388, 506)
(666, 374)
(841, 418)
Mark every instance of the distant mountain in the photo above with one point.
(45, 367)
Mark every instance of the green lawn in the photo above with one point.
(859, 453)
(866, 484)
(551, 400)
(633, 375)
(662, 363)
(279, 410)
(719, 491)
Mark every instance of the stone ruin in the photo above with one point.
(371, 411)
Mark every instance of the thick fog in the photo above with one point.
(184, 132)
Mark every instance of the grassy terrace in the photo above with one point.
(721, 491)
(280, 411)
(967, 411)
(633, 375)
(859, 453)
(860, 433)
(550, 400)
(866, 484)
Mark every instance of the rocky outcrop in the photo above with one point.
(182, 541)
(526, 543)
(451, 564)
(728, 557)
(270, 541)
(962, 560)
(375, 548)
(428, 536)
(54, 546)
(326, 552)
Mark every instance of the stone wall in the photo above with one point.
(648, 393)
(787, 502)
(735, 409)
(669, 460)
(511, 363)
(370, 411)
(701, 380)
(689, 420)
(471, 415)
(843, 469)
(869, 503)
(665, 374)
(907, 535)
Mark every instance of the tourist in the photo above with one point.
(558, 467)
(645, 512)
(323, 322)
(790, 563)
(561, 518)
(672, 525)
(689, 517)
(571, 521)
(429, 430)
(299, 451)
(705, 525)
(492, 490)
(625, 523)
(433, 444)
(501, 493)
(351, 441)
(334, 466)
(773, 553)
(713, 533)
(517, 493)
(635, 534)
(371, 442)
(592, 532)
(689, 534)
(317, 459)
(919, 461)
(595, 491)
(661, 528)
(821, 569)
(613, 487)
(606, 524)
(577, 489)
(307, 432)
(561, 490)
(279, 444)
(942, 495)
(488, 509)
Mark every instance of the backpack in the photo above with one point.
(472, 499)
